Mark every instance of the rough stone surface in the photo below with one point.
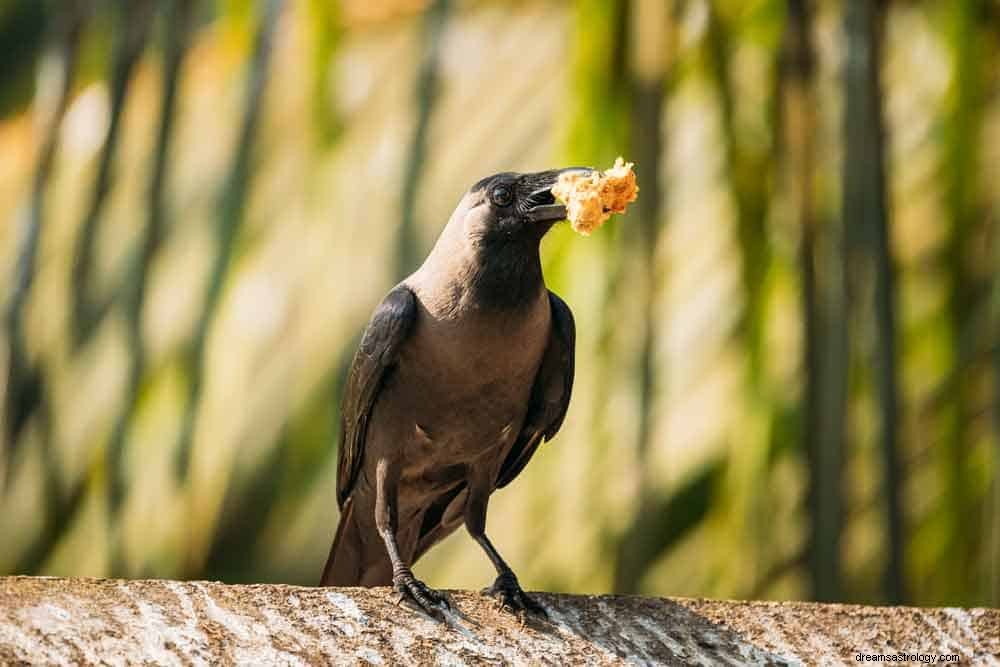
(82, 621)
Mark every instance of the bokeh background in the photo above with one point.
(788, 369)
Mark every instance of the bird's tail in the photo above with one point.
(343, 565)
(355, 559)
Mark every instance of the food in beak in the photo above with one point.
(591, 198)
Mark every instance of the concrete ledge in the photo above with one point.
(73, 621)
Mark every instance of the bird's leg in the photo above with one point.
(386, 521)
(506, 588)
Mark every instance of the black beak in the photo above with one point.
(541, 205)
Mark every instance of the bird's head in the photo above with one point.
(511, 207)
(489, 251)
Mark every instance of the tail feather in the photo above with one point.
(356, 558)
(343, 565)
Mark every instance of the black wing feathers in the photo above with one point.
(549, 395)
(379, 350)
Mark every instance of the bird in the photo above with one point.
(464, 369)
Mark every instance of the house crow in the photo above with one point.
(464, 369)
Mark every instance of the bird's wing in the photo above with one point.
(549, 395)
(379, 350)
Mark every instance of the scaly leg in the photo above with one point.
(506, 588)
(386, 521)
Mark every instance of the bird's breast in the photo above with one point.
(464, 386)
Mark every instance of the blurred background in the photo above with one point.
(788, 378)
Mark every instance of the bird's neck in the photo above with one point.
(506, 275)
(459, 277)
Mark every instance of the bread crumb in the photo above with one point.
(592, 198)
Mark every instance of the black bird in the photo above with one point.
(464, 369)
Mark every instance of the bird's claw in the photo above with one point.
(510, 596)
(433, 603)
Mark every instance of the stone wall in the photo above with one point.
(79, 621)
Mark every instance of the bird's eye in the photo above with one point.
(501, 196)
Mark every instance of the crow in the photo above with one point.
(465, 367)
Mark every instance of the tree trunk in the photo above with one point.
(866, 224)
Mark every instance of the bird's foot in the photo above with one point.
(430, 601)
(510, 596)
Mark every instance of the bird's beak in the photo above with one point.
(542, 206)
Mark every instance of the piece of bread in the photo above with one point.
(592, 198)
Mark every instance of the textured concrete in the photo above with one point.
(83, 621)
